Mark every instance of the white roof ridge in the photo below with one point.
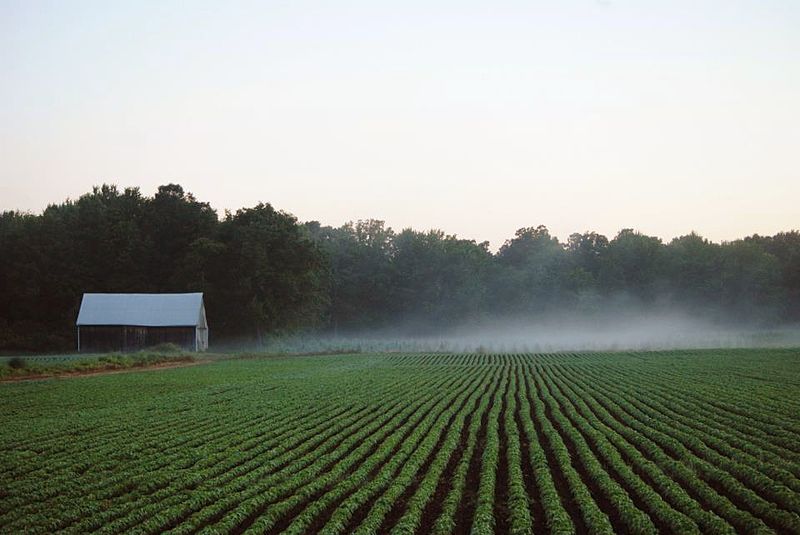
(141, 309)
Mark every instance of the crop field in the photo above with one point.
(672, 442)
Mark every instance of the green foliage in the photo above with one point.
(265, 275)
(53, 366)
(424, 281)
(17, 363)
(272, 274)
(677, 442)
(166, 348)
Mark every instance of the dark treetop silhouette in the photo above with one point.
(264, 273)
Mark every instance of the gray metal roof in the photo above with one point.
(144, 310)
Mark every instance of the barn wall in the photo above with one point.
(103, 338)
(202, 339)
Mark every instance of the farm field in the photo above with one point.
(704, 441)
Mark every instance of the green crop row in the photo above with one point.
(674, 442)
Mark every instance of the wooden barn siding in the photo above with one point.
(100, 338)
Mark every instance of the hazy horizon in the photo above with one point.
(636, 328)
(473, 119)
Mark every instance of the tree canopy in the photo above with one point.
(264, 273)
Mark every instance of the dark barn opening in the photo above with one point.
(102, 338)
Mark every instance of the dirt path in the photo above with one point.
(87, 373)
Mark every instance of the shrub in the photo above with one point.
(17, 363)
(166, 348)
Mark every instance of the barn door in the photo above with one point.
(134, 338)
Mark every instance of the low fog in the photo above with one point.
(642, 330)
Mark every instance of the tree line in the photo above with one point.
(265, 274)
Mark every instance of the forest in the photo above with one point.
(265, 274)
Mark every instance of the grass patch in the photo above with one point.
(20, 367)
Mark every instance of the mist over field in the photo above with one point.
(617, 331)
(642, 332)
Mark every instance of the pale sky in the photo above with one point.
(474, 117)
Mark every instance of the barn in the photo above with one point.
(129, 322)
